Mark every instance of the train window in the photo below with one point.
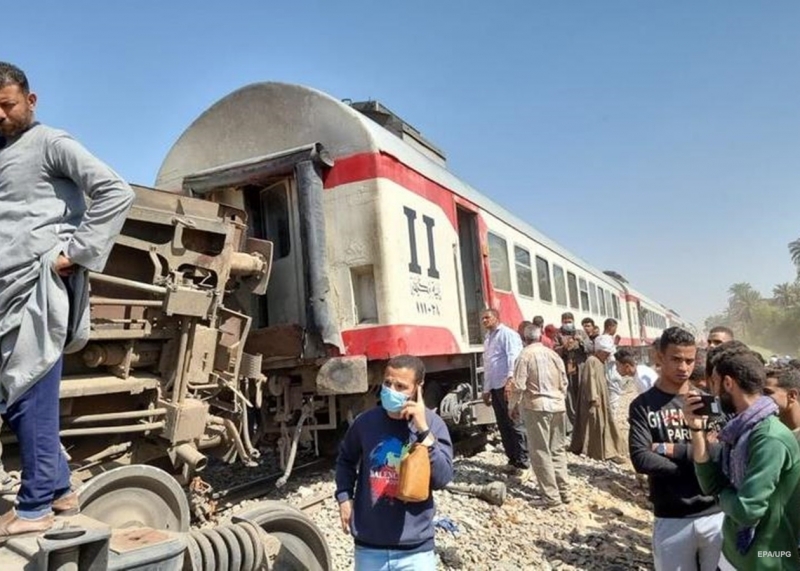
(615, 302)
(593, 296)
(608, 305)
(572, 286)
(275, 219)
(522, 262)
(498, 263)
(560, 284)
(365, 303)
(601, 299)
(543, 277)
(584, 295)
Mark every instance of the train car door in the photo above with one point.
(471, 280)
(277, 219)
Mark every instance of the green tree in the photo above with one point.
(741, 305)
(794, 251)
(785, 295)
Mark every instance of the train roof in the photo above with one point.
(267, 118)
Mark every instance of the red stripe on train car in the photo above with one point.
(366, 166)
(385, 341)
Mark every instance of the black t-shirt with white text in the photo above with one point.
(656, 416)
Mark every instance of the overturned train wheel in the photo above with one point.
(136, 496)
(292, 540)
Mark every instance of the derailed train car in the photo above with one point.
(378, 249)
(294, 243)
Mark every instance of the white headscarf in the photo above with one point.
(604, 343)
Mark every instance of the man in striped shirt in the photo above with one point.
(538, 393)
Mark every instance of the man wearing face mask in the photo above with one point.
(757, 478)
(389, 533)
(573, 347)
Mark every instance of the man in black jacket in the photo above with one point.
(687, 527)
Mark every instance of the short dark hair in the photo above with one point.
(714, 353)
(538, 321)
(743, 367)
(699, 371)
(586, 320)
(12, 75)
(722, 329)
(625, 356)
(675, 336)
(787, 377)
(609, 322)
(567, 315)
(491, 310)
(409, 362)
(794, 363)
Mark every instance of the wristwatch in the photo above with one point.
(661, 448)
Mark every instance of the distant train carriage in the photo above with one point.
(378, 250)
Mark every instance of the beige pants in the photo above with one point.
(546, 443)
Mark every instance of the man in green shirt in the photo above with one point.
(757, 476)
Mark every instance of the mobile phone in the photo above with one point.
(710, 406)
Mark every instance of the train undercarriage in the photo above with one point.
(176, 371)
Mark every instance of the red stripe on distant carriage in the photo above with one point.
(385, 341)
(630, 297)
(630, 342)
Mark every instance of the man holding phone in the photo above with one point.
(390, 533)
(688, 523)
(757, 476)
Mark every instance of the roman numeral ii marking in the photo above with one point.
(413, 265)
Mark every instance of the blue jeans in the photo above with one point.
(368, 559)
(34, 418)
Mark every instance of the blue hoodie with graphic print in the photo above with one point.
(367, 471)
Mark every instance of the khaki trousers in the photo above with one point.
(546, 446)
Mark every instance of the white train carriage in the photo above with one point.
(378, 249)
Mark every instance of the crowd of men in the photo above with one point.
(715, 430)
(555, 389)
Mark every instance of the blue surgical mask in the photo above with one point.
(391, 400)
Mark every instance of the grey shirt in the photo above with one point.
(45, 177)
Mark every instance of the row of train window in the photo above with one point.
(651, 319)
(570, 291)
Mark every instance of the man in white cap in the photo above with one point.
(595, 434)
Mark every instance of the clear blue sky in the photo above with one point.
(660, 139)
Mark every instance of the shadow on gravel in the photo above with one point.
(623, 486)
(612, 548)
